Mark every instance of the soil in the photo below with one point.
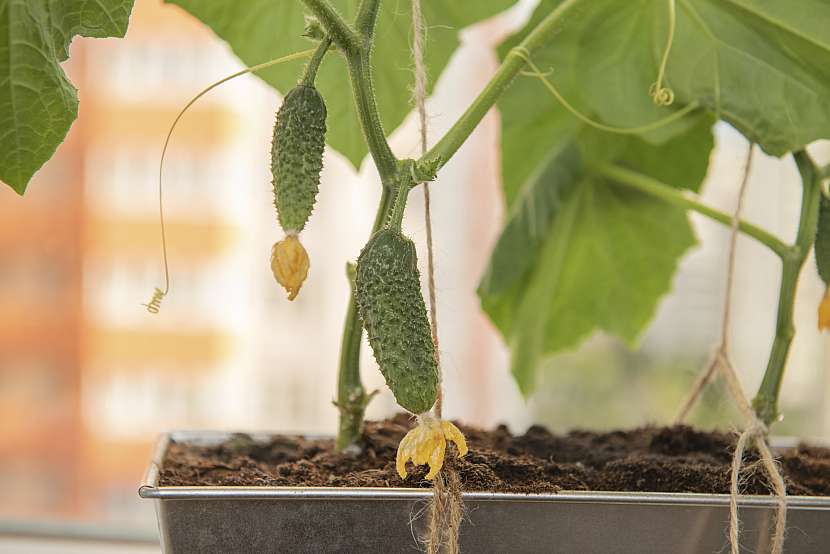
(655, 459)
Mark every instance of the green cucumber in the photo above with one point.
(297, 156)
(390, 303)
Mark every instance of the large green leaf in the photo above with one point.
(761, 65)
(259, 30)
(37, 102)
(580, 253)
(599, 61)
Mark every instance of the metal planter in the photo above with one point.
(208, 520)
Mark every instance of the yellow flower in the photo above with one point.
(427, 444)
(289, 262)
(824, 312)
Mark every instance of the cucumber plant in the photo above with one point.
(607, 108)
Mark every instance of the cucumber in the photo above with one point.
(297, 156)
(390, 303)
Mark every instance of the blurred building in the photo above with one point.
(88, 375)
(41, 322)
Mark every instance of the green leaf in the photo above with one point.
(37, 102)
(581, 253)
(259, 30)
(599, 67)
(761, 65)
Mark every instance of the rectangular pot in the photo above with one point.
(208, 520)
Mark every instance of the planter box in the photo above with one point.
(208, 520)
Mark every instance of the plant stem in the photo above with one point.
(336, 27)
(358, 51)
(360, 71)
(367, 14)
(677, 197)
(398, 206)
(514, 62)
(766, 401)
(314, 63)
(351, 396)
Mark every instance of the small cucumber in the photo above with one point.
(297, 155)
(390, 303)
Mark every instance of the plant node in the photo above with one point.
(314, 29)
(424, 171)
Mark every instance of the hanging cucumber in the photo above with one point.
(297, 156)
(389, 299)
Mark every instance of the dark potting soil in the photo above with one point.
(656, 459)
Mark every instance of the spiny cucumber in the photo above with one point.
(297, 155)
(390, 303)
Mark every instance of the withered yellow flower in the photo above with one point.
(824, 312)
(427, 444)
(289, 263)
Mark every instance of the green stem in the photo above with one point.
(314, 63)
(358, 51)
(677, 197)
(766, 400)
(366, 18)
(360, 73)
(398, 206)
(351, 395)
(336, 27)
(515, 61)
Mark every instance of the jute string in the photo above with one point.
(445, 509)
(754, 429)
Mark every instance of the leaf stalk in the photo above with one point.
(685, 199)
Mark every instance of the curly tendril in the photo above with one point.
(662, 95)
(542, 76)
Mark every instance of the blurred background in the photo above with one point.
(88, 378)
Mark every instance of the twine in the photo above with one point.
(445, 514)
(420, 105)
(445, 507)
(755, 430)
